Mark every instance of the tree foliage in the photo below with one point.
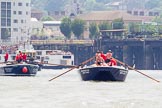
(47, 18)
(65, 27)
(150, 4)
(144, 29)
(118, 23)
(78, 27)
(91, 5)
(134, 4)
(60, 5)
(134, 28)
(38, 4)
(56, 5)
(104, 26)
(94, 30)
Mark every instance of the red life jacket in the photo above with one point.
(103, 56)
(113, 62)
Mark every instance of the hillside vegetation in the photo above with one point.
(90, 5)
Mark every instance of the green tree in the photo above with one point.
(91, 5)
(118, 24)
(47, 18)
(160, 30)
(38, 4)
(134, 27)
(65, 27)
(104, 26)
(150, 4)
(78, 27)
(41, 32)
(55, 5)
(158, 19)
(151, 29)
(94, 30)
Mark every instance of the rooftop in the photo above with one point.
(52, 22)
(111, 15)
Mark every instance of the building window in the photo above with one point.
(13, 3)
(135, 12)
(19, 4)
(150, 13)
(3, 5)
(15, 29)
(56, 12)
(156, 13)
(20, 12)
(27, 4)
(63, 13)
(9, 13)
(142, 13)
(22, 21)
(3, 21)
(5, 33)
(8, 22)
(27, 13)
(15, 21)
(8, 5)
(3, 13)
(14, 12)
(130, 12)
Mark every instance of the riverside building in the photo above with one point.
(15, 18)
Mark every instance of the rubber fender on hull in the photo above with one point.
(25, 69)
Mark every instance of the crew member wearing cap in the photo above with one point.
(109, 60)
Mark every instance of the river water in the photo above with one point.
(69, 91)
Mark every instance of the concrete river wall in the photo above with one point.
(141, 53)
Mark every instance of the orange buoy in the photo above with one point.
(24, 69)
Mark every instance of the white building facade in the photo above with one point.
(15, 21)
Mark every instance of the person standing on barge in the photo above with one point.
(6, 57)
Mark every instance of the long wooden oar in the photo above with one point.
(61, 65)
(135, 70)
(83, 63)
(2, 62)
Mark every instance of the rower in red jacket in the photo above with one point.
(103, 55)
(109, 60)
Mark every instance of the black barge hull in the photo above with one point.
(18, 70)
(103, 74)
